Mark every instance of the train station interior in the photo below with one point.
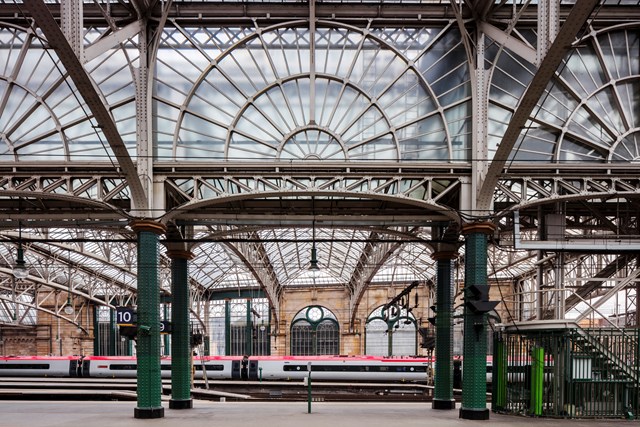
(449, 179)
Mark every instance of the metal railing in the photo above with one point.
(549, 304)
(569, 373)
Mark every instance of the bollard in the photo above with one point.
(309, 388)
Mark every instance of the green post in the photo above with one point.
(474, 363)
(499, 386)
(248, 335)
(443, 389)
(180, 335)
(227, 327)
(112, 333)
(309, 388)
(635, 405)
(96, 332)
(149, 381)
(269, 335)
(537, 380)
(165, 337)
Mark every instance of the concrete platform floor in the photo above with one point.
(15, 413)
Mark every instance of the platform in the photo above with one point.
(263, 414)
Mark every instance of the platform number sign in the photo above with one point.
(126, 316)
(165, 327)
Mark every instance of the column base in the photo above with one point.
(443, 404)
(146, 413)
(474, 414)
(180, 404)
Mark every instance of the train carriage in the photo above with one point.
(363, 368)
(41, 366)
(334, 368)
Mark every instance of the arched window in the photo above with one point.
(239, 326)
(315, 331)
(391, 332)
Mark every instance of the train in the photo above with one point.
(247, 368)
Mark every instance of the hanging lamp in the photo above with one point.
(20, 268)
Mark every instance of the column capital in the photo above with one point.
(486, 227)
(444, 255)
(156, 227)
(179, 254)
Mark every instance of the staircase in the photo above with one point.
(611, 364)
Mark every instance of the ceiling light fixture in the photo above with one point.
(20, 268)
(68, 308)
(314, 268)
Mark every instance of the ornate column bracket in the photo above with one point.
(140, 225)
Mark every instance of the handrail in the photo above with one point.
(533, 298)
(630, 371)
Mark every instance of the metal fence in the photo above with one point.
(568, 373)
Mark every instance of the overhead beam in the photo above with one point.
(519, 48)
(548, 67)
(112, 40)
(85, 87)
(632, 277)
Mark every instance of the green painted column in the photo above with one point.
(112, 333)
(443, 390)
(148, 338)
(474, 362)
(499, 386)
(635, 404)
(180, 332)
(537, 380)
(96, 332)
(269, 335)
(227, 327)
(165, 337)
(248, 332)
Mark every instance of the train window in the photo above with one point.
(24, 366)
(296, 368)
(356, 368)
(210, 367)
(128, 367)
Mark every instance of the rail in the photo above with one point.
(540, 304)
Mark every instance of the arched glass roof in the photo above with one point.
(242, 93)
(588, 112)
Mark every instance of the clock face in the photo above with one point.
(314, 314)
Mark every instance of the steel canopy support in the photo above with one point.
(149, 374)
(83, 82)
(443, 391)
(255, 257)
(552, 60)
(180, 334)
(474, 383)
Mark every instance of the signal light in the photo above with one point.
(432, 319)
(478, 302)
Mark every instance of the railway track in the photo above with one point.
(125, 389)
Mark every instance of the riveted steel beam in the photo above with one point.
(87, 90)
